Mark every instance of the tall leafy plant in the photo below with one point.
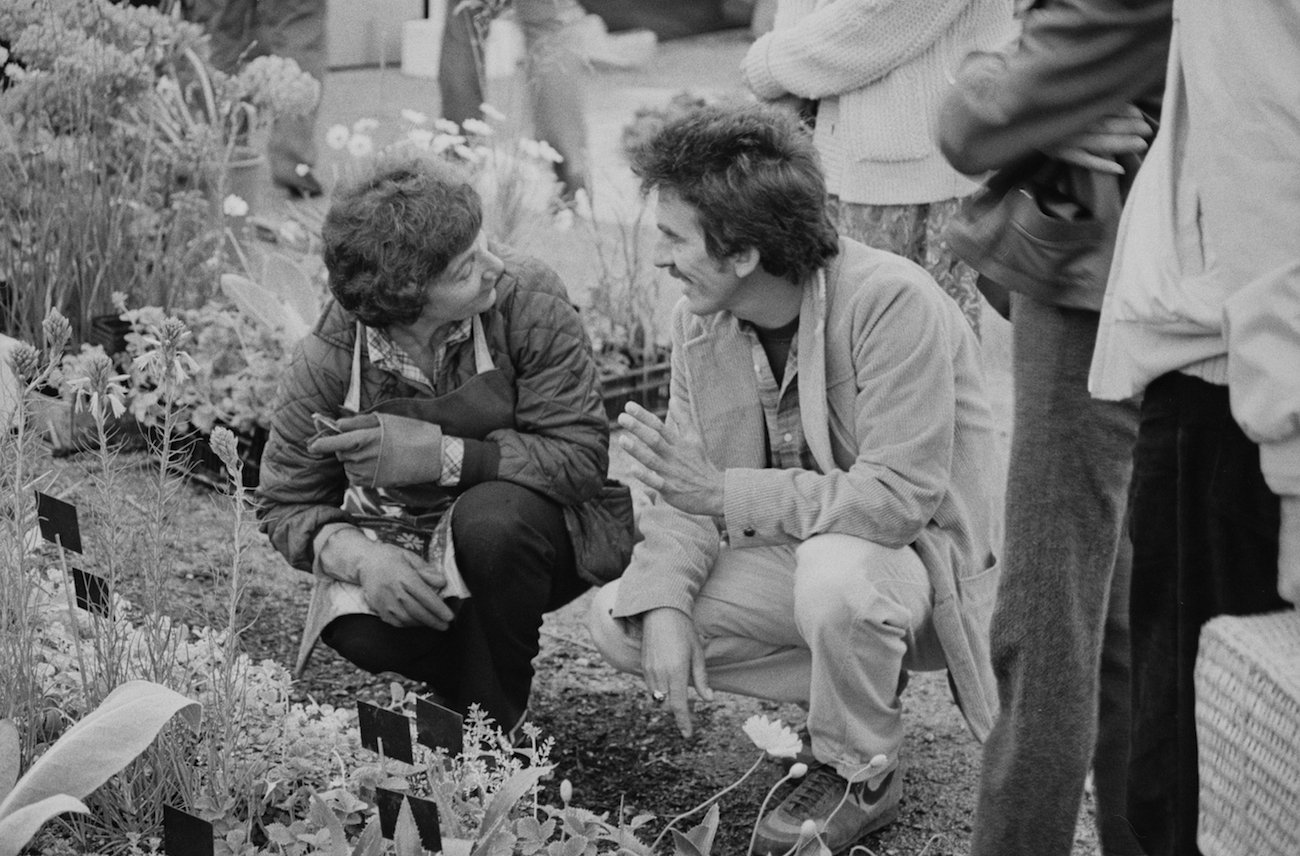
(82, 759)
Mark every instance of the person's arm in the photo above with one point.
(1262, 325)
(299, 491)
(670, 564)
(845, 45)
(677, 550)
(560, 443)
(1076, 61)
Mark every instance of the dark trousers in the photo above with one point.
(555, 71)
(1060, 635)
(514, 552)
(1205, 543)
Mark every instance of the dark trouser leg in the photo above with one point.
(1066, 490)
(1205, 528)
(513, 549)
(460, 67)
(557, 83)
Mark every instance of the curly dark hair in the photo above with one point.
(752, 175)
(388, 235)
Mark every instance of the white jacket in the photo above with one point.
(1206, 277)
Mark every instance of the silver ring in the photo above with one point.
(659, 695)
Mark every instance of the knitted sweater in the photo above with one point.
(879, 69)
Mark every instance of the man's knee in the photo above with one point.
(615, 642)
(840, 579)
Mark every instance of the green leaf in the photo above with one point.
(98, 746)
(324, 816)
(371, 840)
(683, 846)
(702, 836)
(18, 827)
(512, 791)
(406, 835)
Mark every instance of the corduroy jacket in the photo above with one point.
(892, 403)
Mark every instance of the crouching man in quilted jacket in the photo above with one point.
(440, 435)
(821, 522)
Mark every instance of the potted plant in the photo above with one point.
(228, 117)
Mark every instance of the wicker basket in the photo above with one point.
(1248, 731)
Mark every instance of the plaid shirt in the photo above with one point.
(389, 356)
(786, 447)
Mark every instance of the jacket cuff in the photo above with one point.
(1280, 463)
(633, 600)
(749, 508)
(482, 462)
(757, 71)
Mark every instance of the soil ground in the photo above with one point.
(617, 747)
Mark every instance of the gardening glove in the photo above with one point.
(402, 589)
(384, 450)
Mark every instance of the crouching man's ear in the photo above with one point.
(744, 262)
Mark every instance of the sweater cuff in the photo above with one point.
(758, 73)
(481, 462)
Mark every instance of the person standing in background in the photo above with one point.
(556, 89)
(295, 29)
(878, 70)
(1202, 318)
(1071, 95)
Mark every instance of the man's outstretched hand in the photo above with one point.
(678, 469)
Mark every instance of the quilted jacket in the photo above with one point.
(559, 446)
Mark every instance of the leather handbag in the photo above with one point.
(1045, 228)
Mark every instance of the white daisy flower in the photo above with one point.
(491, 112)
(442, 142)
(234, 206)
(337, 136)
(446, 126)
(422, 138)
(774, 738)
(477, 127)
(415, 117)
(360, 145)
(364, 126)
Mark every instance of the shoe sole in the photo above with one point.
(880, 823)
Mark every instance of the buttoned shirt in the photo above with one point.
(389, 356)
(786, 446)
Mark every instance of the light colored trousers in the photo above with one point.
(830, 624)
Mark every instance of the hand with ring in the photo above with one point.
(672, 659)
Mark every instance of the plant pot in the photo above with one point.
(246, 174)
(109, 332)
(646, 385)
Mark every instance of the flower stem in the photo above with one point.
(762, 810)
(708, 802)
